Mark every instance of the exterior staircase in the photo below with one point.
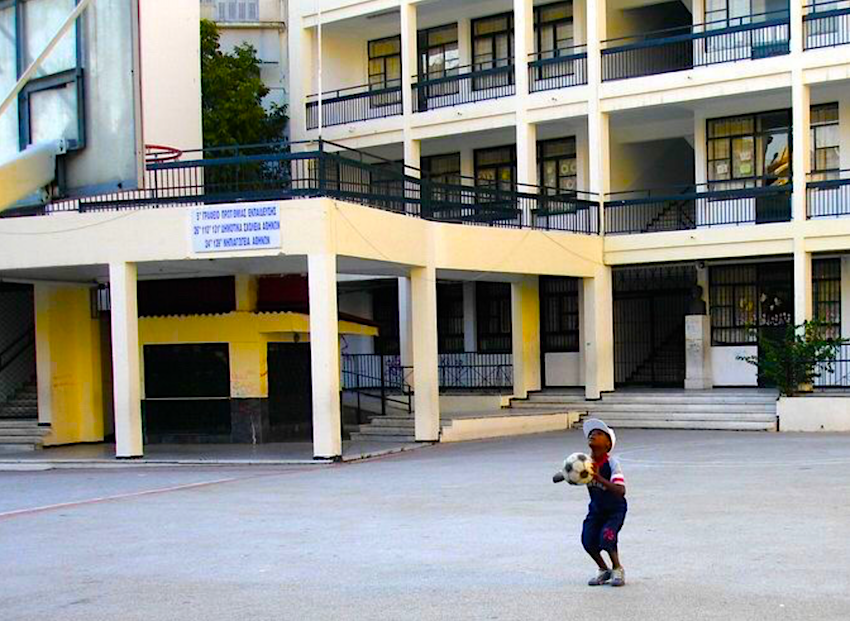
(19, 429)
(396, 426)
(748, 409)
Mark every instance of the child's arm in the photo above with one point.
(615, 488)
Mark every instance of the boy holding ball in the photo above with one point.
(607, 510)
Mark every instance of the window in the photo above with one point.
(496, 168)
(825, 142)
(730, 13)
(238, 11)
(556, 161)
(385, 63)
(559, 315)
(553, 26)
(493, 313)
(826, 294)
(749, 150)
(438, 54)
(442, 168)
(493, 47)
(450, 318)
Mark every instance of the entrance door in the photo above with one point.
(650, 305)
(775, 304)
(290, 392)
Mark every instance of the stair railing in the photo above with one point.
(9, 355)
(367, 374)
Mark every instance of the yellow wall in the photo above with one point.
(247, 335)
(69, 372)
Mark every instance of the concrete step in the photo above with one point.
(31, 422)
(9, 432)
(392, 422)
(660, 398)
(370, 438)
(685, 416)
(21, 439)
(603, 406)
(697, 425)
(385, 431)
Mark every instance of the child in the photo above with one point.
(607, 509)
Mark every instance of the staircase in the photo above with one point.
(19, 429)
(396, 426)
(718, 409)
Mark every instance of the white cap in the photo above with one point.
(592, 424)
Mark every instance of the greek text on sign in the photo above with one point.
(226, 228)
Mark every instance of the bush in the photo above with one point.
(794, 361)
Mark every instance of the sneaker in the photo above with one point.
(618, 577)
(602, 576)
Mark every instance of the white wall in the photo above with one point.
(729, 371)
(814, 413)
(171, 73)
(564, 369)
(358, 303)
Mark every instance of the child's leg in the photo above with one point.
(615, 558)
(608, 536)
(590, 540)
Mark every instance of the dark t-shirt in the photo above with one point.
(601, 500)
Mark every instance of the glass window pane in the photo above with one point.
(827, 136)
(393, 68)
(503, 50)
(777, 161)
(555, 12)
(444, 35)
(550, 174)
(491, 25)
(743, 164)
(547, 40)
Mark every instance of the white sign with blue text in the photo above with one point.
(226, 228)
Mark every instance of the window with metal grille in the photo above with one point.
(559, 314)
(826, 294)
(556, 161)
(493, 312)
(496, 167)
(385, 62)
(439, 58)
(238, 11)
(492, 47)
(825, 142)
(553, 26)
(450, 318)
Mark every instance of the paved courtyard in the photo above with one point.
(732, 526)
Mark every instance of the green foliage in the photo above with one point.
(794, 360)
(232, 94)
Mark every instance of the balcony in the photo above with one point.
(463, 85)
(696, 207)
(700, 45)
(324, 169)
(828, 197)
(826, 24)
(354, 104)
(557, 69)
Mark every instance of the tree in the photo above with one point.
(232, 95)
(796, 359)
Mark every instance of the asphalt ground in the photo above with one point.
(732, 526)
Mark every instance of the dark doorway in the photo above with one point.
(650, 305)
(290, 392)
(775, 305)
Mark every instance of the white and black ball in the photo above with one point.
(578, 469)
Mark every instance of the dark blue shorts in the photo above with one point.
(601, 531)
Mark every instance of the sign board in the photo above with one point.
(229, 228)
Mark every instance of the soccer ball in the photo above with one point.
(578, 469)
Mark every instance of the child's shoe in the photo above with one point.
(602, 576)
(618, 577)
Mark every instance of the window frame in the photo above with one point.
(564, 323)
(818, 174)
(542, 159)
(450, 318)
(510, 163)
(540, 26)
(478, 65)
(493, 304)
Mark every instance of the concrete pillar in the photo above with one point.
(409, 55)
(525, 331)
(523, 43)
(845, 296)
(405, 322)
(700, 148)
(126, 364)
(470, 319)
(596, 33)
(43, 361)
(600, 159)
(597, 121)
(426, 386)
(598, 308)
(412, 156)
(526, 154)
(302, 44)
(797, 32)
(801, 158)
(324, 355)
(464, 41)
(246, 293)
(803, 301)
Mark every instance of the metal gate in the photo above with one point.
(650, 305)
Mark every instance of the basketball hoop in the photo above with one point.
(158, 153)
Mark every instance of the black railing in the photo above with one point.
(826, 24)
(686, 47)
(277, 172)
(557, 69)
(836, 373)
(17, 362)
(358, 103)
(463, 85)
(376, 376)
(476, 370)
(692, 207)
(828, 194)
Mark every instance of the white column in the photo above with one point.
(523, 44)
(803, 302)
(412, 156)
(597, 121)
(425, 358)
(324, 355)
(526, 153)
(700, 148)
(464, 41)
(302, 45)
(43, 361)
(598, 334)
(405, 322)
(470, 319)
(801, 158)
(126, 375)
(796, 16)
(525, 334)
(409, 54)
(845, 296)
(596, 33)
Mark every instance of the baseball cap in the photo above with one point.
(594, 423)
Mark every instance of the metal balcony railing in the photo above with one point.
(826, 24)
(694, 207)
(321, 168)
(828, 194)
(476, 370)
(686, 47)
(358, 103)
(835, 374)
(463, 85)
(559, 68)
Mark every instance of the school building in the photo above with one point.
(483, 204)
